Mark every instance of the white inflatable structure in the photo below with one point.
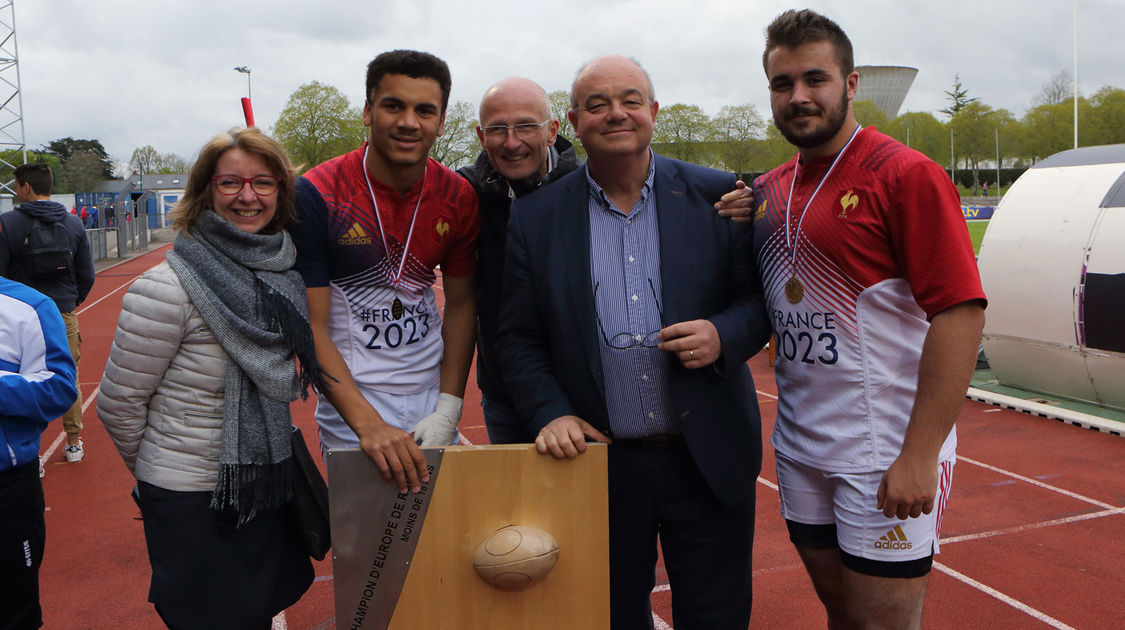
(1053, 267)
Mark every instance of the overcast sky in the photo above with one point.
(137, 72)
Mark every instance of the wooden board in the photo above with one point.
(483, 488)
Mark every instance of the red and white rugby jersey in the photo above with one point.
(882, 248)
(389, 335)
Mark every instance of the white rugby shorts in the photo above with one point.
(848, 501)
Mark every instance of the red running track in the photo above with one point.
(1032, 534)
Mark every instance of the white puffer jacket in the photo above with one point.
(161, 397)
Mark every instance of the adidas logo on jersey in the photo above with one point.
(760, 213)
(355, 236)
(893, 539)
(848, 202)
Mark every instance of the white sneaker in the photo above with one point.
(74, 452)
(42, 471)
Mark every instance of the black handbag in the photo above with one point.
(309, 507)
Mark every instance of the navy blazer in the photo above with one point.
(548, 337)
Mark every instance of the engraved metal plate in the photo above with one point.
(375, 530)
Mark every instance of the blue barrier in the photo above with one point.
(977, 213)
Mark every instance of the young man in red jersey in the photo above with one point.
(373, 225)
(877, 311)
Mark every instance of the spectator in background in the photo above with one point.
(67, 286)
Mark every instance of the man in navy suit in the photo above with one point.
(630, 310)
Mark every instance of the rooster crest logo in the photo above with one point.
(442, 228)
(848, 202)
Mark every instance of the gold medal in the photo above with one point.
(794, 290)
(396, 309)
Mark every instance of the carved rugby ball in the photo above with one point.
(515, 557)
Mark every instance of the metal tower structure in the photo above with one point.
(13, 147)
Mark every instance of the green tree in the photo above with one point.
(776, 150)
(1107, 114)
(67, 148)
(1056, 90)
(172, 163)
(14, 158)
(1047, 129)
(560, 105)
(868, 114)
(922, 132)
(958, 98)
(458, 144)
(682, 130)
(739, 131)
(144, 159)
(81, 173)
(318, 124)
(976, 128)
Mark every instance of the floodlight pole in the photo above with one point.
(1075, 75)
(997, 130)
(13, 146)
(952, 161)
(245, 70)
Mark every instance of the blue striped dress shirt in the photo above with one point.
(625, 274)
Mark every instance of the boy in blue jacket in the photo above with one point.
(36, 385)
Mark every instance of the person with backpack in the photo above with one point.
(43, 246)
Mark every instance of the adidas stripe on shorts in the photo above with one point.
(848, 501)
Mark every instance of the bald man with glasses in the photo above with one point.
(522, 152)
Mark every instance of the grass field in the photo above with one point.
(976, 232)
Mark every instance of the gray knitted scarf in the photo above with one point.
(255, 305)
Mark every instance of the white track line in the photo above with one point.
(99, 300)
(1014, 603)
(45, 457)
(766, 394)
(1045, 618)
(93, 395)
(1024, 528)
(657, 622)
(279, 622)
(1036, 482)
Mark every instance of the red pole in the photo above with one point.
(247, 111)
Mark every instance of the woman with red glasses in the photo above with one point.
(211, 347)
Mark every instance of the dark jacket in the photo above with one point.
(548, 337)
(67, 292)
(495, 201)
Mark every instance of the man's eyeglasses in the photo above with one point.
(523, 131)
(625, 340)
(233, 184)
